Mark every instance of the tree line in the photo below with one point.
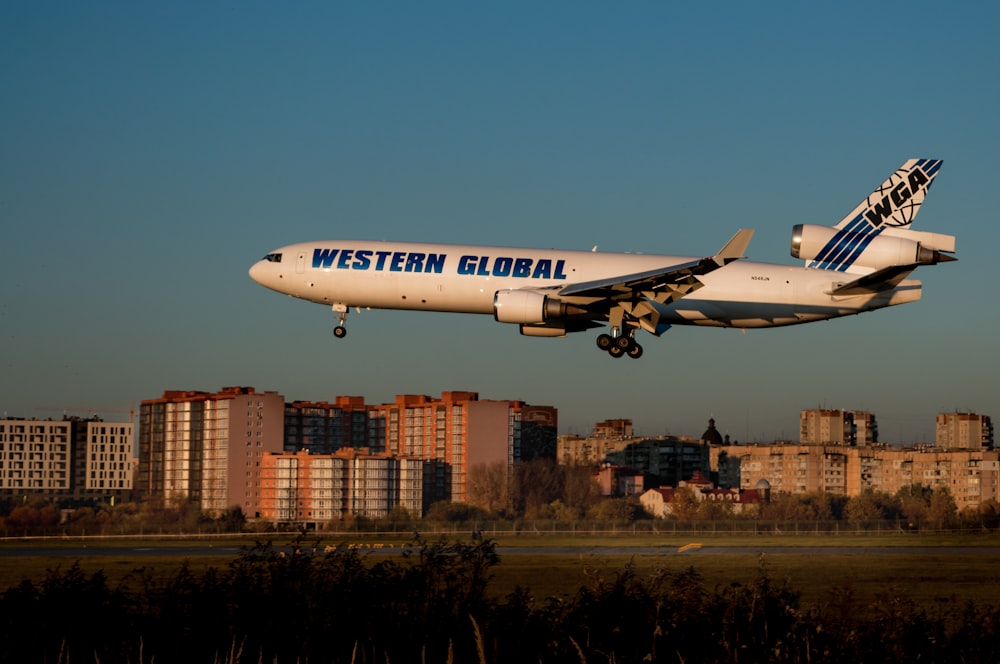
(537, 490)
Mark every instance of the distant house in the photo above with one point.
(659, 501)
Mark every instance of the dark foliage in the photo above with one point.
(306, 603)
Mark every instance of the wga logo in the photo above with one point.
(896, 202)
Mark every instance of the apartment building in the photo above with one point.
(668, 460)
(964, 431)
(820, 426)
(971, 476)
(573, 450)
(312, 489)
(617, 428)
(68, 458)
(208, 447)
(461, 431)
(323, 427)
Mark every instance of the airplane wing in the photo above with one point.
(664, 284)
(627, 300)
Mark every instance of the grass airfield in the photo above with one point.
(929, 570)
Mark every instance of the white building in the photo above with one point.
(71, 457)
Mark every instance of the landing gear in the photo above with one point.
(341, 310)
(617, 344)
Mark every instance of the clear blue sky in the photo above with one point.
(151, 152)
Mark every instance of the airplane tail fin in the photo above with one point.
(855, 245)
(896, 201)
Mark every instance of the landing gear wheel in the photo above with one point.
(616, 351)
(604, 341)
(635, 352)
(340, 331)
(624, 343)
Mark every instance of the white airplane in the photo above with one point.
(859, 265)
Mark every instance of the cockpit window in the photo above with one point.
(273, 258)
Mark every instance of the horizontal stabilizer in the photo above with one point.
(881, 280)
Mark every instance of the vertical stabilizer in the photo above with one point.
(891, 207)
(896, 201)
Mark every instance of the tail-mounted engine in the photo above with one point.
(837, 248)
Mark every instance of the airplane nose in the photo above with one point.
(257, 271)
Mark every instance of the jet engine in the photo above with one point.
(892, 247)
(526, 307)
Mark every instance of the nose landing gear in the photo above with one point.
(341, 310)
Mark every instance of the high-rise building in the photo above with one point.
(459, 431)
(208, 447)
(324, 428)
(68, 458)
(964, 431)
(821, 426)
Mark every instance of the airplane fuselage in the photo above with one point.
(465, 279)
(860, 264)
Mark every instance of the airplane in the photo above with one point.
(858, 265)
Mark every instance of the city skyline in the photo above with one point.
(352, 401)
(152, 154)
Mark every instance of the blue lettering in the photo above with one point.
(382, 255)
(324, 257)
(485, 266)
(522, 267)
(435, 263)
(362, 259)
(345, 257)
(414, 263)
(501, 268)
(397, 261)
(467, 265)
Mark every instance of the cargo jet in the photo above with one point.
(859, 265)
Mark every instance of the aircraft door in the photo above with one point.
(300, 263)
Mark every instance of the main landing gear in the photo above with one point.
(619, 344)
(341, 310)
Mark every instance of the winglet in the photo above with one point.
(735, 248)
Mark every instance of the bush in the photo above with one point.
(306, 603)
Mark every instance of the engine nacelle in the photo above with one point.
(526, 307)
(894, 247)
